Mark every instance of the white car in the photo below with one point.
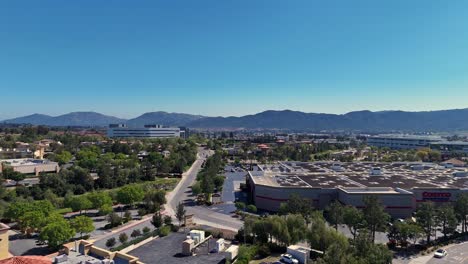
(440, 253)
(287, 258)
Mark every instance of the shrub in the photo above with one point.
(174, 228)
(246, 253)
(114, 219)
(136, 233)
(164, 231)
(146, 230)
(123, 238)
(264, 251)
(142, 212)
(111, 242)
(157, 221)
(167, 220)
(127, 216)
(252, 208)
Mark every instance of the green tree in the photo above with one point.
(296, 227)
(196, 188)
(127, 216)
(82, 224)
(130, 194)
(78, 203)
(153, 200)
(461, 210)
(447, 219)
(167, 220)
(335, 213)
(32, 220)
(353, 219)
(404, 231)
(296, 205)
(114, 219)
(180, 213)
(63, 157)
(105, 209)
(426, 218)
(99, 199)
(374, 214)
(157, 220)
(57, 233)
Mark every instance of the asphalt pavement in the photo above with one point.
(202, 214)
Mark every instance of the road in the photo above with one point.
(202, 215)
(457, 253)
(181, 193)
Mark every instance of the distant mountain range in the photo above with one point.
(383, 121)
(71, 119)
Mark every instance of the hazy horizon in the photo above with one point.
(219, 58)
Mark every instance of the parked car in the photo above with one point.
(440, 253)
(287, 258)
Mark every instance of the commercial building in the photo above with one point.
(450, 146)
(30, 166)
(402, 141)
(148, 131)
(399, 186)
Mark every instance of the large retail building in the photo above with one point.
(400, 187)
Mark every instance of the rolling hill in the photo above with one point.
(383, 121)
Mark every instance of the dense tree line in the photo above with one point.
(209, 179)
(273, 231)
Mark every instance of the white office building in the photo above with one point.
(402, 141)
(148, 131)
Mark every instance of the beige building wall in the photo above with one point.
(4, 249)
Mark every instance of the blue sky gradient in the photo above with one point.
(224, 58)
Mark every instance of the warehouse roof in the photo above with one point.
(360, 174)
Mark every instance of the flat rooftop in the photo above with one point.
(358, 174)
(25, 162)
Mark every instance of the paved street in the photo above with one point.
(202, 214)
(457, 253)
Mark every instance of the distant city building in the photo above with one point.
(148, 131)
(402, 141)
(30, 166)
(450, 146)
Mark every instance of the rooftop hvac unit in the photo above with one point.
(417, 167)
(337, 167)
(448, 165)
(375, 171)
(460, 174)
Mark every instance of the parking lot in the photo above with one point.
(231, 192)
(168, 250)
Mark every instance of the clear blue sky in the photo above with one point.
(217, 57)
